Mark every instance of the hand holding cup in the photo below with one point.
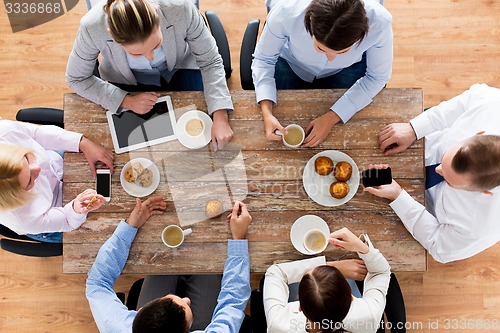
(344, 239)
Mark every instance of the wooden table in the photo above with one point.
(276, 197)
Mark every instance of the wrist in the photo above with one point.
(397, 193)
(220, 115)
(126, 102)
(83, 144)
(332, 117)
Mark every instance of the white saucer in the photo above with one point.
(302, 226)
(134, 189)
(189, 141)
(317, 186)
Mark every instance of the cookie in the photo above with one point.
(92, 202)
(146, 178)
(130, 175)
(138, 168)
(213, 208)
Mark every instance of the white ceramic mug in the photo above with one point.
(293, 127)
(315, 241)
(178, 237)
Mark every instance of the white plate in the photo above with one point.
(189, 141)
(302, 226)
(318, 187)
(136, 190)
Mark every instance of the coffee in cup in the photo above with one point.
(194, 127)
(173, 236)
(294, 137)
(315, 241)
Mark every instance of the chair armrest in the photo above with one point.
(32, 249)
(219, 34)
(42, 116)
(247, 48)
(395, 306)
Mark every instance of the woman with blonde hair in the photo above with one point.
(146, 47)
(31, 179)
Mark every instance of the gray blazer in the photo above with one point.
(187, 42)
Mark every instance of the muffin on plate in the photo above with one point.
(343, 171)
(323, 165)
(339, 190)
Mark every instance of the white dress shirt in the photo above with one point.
(285, 36)
(364, 314)
(455, 224)
(44, 212)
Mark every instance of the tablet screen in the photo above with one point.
(132, 131)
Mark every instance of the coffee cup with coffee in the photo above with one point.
(173, 236)
(194, 127)
(294, 136)
(315, 241)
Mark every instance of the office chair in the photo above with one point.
(216, 28)
(394, 307)
(41, 116)
(26, 246)
(133, 297)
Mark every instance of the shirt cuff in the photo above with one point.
(74, 219)
(344, 109)
(237, 248)
(71, 141)
(421, 125)
(401, 206)
(125, 231)
(266, 92)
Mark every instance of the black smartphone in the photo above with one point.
(376, 177)
(103, 183)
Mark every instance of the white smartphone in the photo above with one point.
(103, 183)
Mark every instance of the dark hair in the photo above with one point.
(337, 24)
(325, 294)
(160, 316)
(480, 157)
(131, 21)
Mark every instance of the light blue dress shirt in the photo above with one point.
(112, 316)
(149, 72)
(285, 36)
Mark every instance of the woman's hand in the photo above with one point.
(96, 153)
(319, 128)
(344, 239)
(88, 201)
(140, 103)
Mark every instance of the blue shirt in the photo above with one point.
(149, 72)
(285, 36)
(112, 316)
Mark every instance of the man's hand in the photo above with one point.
(96, 153)
(353, 269)
(140, 103)
(319, 129)
(144, 210)
(271, 123)
(238, 220)
(221, 130)
(344, 239)
(391, 191)
(395, 138)
(83, 199)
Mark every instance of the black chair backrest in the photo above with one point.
(247, 48)
(31, 249)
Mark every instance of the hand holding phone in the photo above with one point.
(377, 177)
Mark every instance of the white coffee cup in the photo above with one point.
(315, 241)
(173, 236)
(194, 127)
(295, 136)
